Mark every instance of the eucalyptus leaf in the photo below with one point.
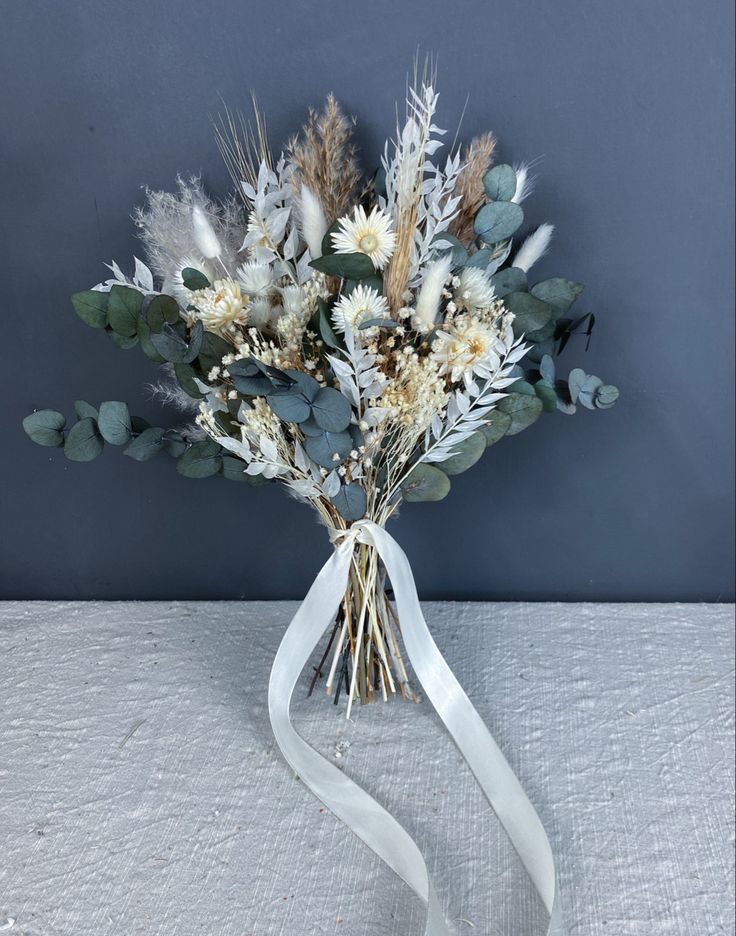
(588, 390)
(162, 309)
(323, 448)
(459, 250)
(530, 313)
(194, 279)
(321, 324)
(174, 444)
(91, 306)
(82, 408)
(201, 460)
(144, 336)
(497, 221)
(510, 280)
(147, 445)
(83, 442)
(560, 293)
(378, 323)
(523, 408)
(291, 407)
(466, 455)
(496, 427)
(480, 259)
(575, 382)
(172, 343)
(425, 483)
(123, 309)
(331, 410)
(546, 393)
(114, 422)
(500, 183)
(605, 396)
(213, 350)
(249, 379)
(44, 427)
(121, 341)
(547, 368)
(327, 246)
(350, 502)
(185, 375)
(355, 266)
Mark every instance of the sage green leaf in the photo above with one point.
(588, 390)
(201, 460)
(459, 250)
(194, 279)
(172, 343)
(147, 445)
(121, 341)
(425, 483)
(496, 427)
(547, 368)
(575, 382)
(233, 468)
(498, 221)
(123, 310)
(351, 502)
(144, 336)
(162, 309)
(606, 396)
(543, 334)
(249, 379)
(82, 408)
(323, 448)
(322, 325)
(174, 444)
(558, 292)
(512, 279)
(185, 375)
(500, 183)
(310, 428)
(530, 313)
(327, 245)
(331, 410)
(212, 352)
(546, 393)
(466, 455)
(83, 442)
(291, 407)
(523, 408)
(378, 323)
(355, 266)
(91, 307)
(521, 386)
(114, 422)
(480, 259)
(44, 427)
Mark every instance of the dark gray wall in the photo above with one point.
(628, 104)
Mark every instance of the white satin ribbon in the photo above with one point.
(359, 811)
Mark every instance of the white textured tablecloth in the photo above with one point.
(141, 792)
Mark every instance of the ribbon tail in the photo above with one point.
(496, 778)
(349, 802)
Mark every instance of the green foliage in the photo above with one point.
(82, 408)
(123, 309)
(350, 502)
(144, 336)
(194, 279)
(466, 454)
(496, 427)
(500, 183)
(83, 442)
(547, 394)
(522, 405)
(44, 427)
(147, 445)
(91, 306)
(459, 250)
(161, 309)
(498, 221)
(212, 351)
(114, 422)
(171, 343)
(324, 446)
(425, 483)
(352, 266)
(510, 280)
(530, 313)
(120, 341)
(558, 292)
(185, 375)
(201, 460)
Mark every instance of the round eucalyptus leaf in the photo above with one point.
(459, 250)
(123, 309)
(145, 446)
(323, 448)
(496, 427)
(121, 341)
(425, 483)
(144, 336)
(194, 279)
(480, 259)
(523, 408)
(560, 293)
(588, 390)
(249, 379)
(233, 468)
(466, 455)
(291, 407)
(497, 221)
(44, 427)
(546, 393)
(201, 460)
(174, 444)
(305, 383)
(331, 410)
(355, 266)
(83, 442)
(350, 501)
(310, 428)
(114, 422)
(327, 245)
(575, 382)
(530, 313)
(500, 183)
(605, 396)
(512, 279)
(547, 368)
(91, 307)
(172, 342)
(213, 350)
(185, 375)
(162, 309)
(82, 408)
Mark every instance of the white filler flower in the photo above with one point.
(369, 234)
(362, 305)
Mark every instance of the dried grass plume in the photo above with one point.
(478, 157)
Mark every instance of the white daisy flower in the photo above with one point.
(362, 305)
(464, 347)
(256, 278)
(474, 292)
(369, 234)
(292, 298)
(220, 307)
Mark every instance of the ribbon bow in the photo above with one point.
(349, 802)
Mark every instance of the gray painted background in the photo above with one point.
(629, 106)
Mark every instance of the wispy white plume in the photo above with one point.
(533, 248)
(204, 234)
(524, 182)
(168, 392)
(312, 221)
(430, 292)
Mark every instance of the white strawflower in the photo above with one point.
(466, 346)
(369, 234)
(220, 307)
(362, 305)
(204, 234)
(259, 313)
(292, 298)
(256, 278)
(474, 291)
